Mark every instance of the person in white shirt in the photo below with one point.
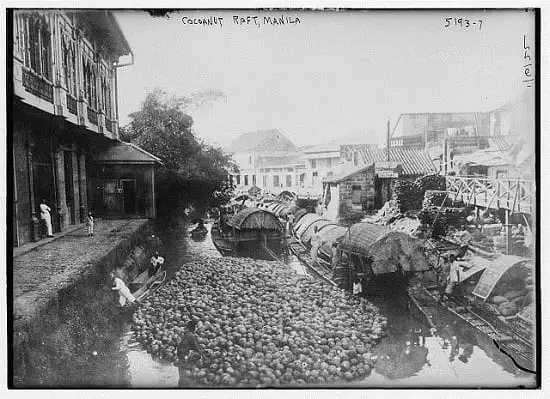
(315, 244)
(46, 217)
(90, 224)
(156, 262)
(124, 294)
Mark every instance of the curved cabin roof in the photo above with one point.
(255, 219)
(321, 224)
(389, 250)
(331, 234)
(495, 272)
(304, 222)
(298, 213)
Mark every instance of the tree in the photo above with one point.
(194, 173)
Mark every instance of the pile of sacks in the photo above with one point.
(514, 298)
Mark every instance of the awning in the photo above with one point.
(120, 152)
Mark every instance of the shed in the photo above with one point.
(121, 181)
(255, 219)
(386, 250)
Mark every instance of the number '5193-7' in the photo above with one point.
(465, 23)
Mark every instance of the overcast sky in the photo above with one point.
(333, 74)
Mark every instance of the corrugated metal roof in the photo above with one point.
(413, 162)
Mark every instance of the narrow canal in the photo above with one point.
(411, 355)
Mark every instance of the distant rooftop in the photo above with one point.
(262, 140)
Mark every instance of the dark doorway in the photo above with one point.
(69, 188)
(111, 201)
(129, 190)
(44, 188)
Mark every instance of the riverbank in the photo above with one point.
(63, 316)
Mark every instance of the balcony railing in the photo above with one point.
(515, 195)
(72, 104)
(92, 116)
(37, 85)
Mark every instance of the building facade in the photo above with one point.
(64, 108)
(268, 160)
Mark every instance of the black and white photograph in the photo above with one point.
(273, 198)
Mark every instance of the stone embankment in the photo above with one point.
(62, 300)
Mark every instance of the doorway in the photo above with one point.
(129, 196)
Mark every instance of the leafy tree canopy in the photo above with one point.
(194, 172)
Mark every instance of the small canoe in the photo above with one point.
(146, 284)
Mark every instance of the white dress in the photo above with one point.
(45, 216)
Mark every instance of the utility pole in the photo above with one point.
(388, 141)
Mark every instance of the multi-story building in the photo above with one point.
(66, 146)
(268, 160)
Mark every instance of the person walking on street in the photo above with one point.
(46, 217)
(189, 352)
(315, 244)
(90, 224)
(156, 262)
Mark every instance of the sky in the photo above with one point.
(334, 74)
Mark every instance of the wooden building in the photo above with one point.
(122, 181)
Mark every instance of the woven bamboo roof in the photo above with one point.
(255, 218)
(320, 224)
(388, 249)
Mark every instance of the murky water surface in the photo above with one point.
(411, 355)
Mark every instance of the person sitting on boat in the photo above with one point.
(156, 262)
(189, 352)
(316, 242)
(124, 294)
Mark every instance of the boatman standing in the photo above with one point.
(189, 353)
(46, 217)
(315, 244)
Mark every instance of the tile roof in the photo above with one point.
(414, 162)
(268, 140)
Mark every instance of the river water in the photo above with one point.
(412, 355)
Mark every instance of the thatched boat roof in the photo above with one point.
(255, 218)
(389, 250)
(320, 224)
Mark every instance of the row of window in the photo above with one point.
(87, 71)
(277, 181)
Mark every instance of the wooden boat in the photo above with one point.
(144, 285)
(512, 335)
(250, 229)
(198, 232)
